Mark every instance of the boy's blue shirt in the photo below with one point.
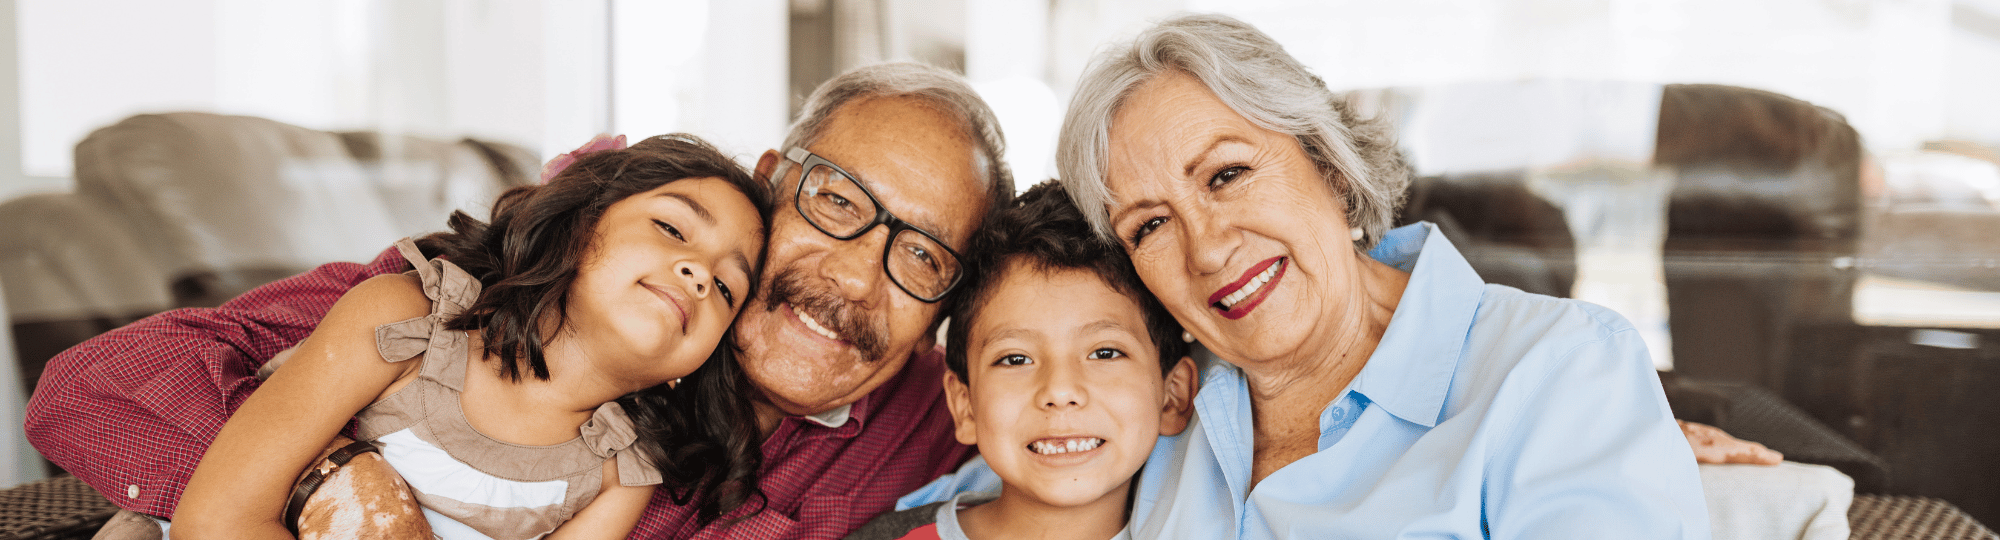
(1484, 412)
(975, 476)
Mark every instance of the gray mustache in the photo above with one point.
(834, 313)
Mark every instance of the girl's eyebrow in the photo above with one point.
(699, 210)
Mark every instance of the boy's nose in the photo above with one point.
(1061, 387)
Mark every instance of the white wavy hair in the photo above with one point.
(1254, 76)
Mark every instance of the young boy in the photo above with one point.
(1064, 371)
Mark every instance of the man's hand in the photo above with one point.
(1712, 445)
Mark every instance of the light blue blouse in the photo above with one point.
(1485, 412)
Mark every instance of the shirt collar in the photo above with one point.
(859, 410)
(832, 418)
(1410, 372)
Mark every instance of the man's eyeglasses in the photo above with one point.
(833, 202)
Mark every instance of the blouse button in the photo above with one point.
(132, 491)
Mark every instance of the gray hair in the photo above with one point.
(942, 89)
(1252, 74)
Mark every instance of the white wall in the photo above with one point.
(75, 57)
(14, 179)
(1972, 82)
(1900, 71)
(715, 69)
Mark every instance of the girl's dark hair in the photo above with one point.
(702, 434)
(1043, 229)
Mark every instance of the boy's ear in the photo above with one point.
(766, 164)
(1178, 406)
(958, 397)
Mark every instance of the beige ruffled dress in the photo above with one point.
(471, 485)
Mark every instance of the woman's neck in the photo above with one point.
(1016, 515)
(1286, 394)
(1347, 335)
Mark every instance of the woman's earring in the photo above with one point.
(676, 383)
(1186, 337)
(1355, 234)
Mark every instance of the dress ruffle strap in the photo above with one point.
(451, 291)
(609, 433)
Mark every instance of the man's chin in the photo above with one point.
(797, 397)
(806, 382)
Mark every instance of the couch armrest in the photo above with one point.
(1752, 413)
(61, 507)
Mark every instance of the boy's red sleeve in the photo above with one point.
(130, 412)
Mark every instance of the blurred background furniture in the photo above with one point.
(1768, 251)
(190, 209)
(58, 508)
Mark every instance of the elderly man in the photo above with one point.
(839, 346)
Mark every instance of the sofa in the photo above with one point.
(190, 209)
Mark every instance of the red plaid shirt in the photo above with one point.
(130, 412)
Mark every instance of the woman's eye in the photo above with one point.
(1013, 360)
(1226, 176)
(670, 230)
(1106, 353)
(1146, 228)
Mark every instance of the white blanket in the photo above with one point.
(1785, 501)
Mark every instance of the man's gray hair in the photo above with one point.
(936, 87)
(1254, 76)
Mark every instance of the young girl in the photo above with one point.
(536, 375)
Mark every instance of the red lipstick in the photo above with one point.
(1243, 307)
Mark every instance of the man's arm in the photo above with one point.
(130, 412)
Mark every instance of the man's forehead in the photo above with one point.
(918, 160)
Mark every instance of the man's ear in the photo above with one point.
(958, 397)
(1178, 402)
(767, 165)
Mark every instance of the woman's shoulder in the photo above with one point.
(1509, 309)
(1523, 341)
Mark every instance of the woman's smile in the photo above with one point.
(1235, 300)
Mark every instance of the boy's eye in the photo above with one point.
(1106, 353)
(1013, 360)
(670, 230)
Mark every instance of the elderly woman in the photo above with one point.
(1374, 387)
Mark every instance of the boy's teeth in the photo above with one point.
(1255, 284)
(814, 325)
(1064, 446)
